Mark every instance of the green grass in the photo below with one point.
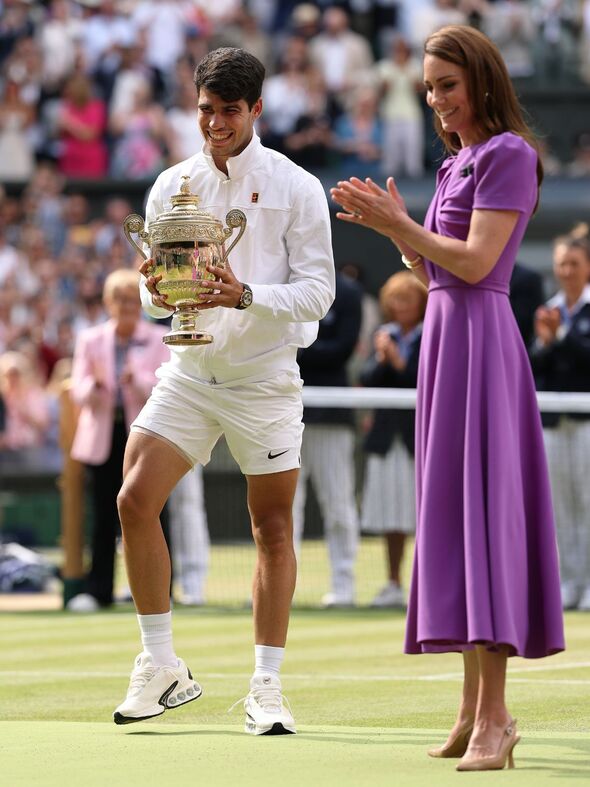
(231, 565)
(365, 712)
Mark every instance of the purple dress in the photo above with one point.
(485, 564)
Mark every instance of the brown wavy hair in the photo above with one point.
(490, 90)
(402, 281)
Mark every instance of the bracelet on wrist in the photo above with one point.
(411, 264)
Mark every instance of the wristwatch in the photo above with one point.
(245, 297)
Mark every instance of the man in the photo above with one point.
(327, 456)
(526, 295)
(245, 385)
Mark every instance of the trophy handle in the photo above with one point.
(235, 218)
(134, 223)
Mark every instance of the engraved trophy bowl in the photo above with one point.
(183, 241)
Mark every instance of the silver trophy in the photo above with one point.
(183, 241)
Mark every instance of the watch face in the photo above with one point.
(246, 298)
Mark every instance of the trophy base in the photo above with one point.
(186, 338)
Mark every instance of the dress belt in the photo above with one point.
(494, 286)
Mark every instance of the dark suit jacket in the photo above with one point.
(389, 423)
(324, 362)
(565, 364)
(526, 295)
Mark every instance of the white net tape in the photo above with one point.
(405, 398)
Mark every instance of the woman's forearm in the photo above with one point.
(471, 259)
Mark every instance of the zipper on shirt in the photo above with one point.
(212, 381)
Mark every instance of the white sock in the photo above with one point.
(268, 660)
(156, 638)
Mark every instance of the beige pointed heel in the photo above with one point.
(456, 746)
(494, 762)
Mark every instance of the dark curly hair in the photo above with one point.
(232, 74)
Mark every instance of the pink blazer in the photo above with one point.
(94, 356)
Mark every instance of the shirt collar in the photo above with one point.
(408, 337)
(237, 166)
(558, 301)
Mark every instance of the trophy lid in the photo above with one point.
(185, 221)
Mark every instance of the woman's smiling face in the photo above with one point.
(447, 95)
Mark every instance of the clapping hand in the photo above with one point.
(387, 350)
(369, 205)
(547, 321)
(127, 377)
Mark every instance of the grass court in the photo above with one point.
(365, 712)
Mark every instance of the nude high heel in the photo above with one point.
(494, 762)
(455, 746)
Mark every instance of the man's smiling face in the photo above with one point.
(227, 126)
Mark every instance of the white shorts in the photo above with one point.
(389, 504)
(261, 421)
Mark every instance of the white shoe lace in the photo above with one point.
(236, 703)
(140, 679)
(269, 698)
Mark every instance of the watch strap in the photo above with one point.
(245, 297)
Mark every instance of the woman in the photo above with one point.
(399, 77)
(286, 95)
(388, 504)
(358, 134)
(114, 370)
(25, 404)
(17, 119)
(82, 126)
(485, 580)
(139, 137)
(560, 357)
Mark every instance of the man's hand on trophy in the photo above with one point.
(152, 282)
(227, 290)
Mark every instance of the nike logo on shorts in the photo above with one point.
(274, 456)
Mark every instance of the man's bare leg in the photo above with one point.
(159, 681)
(270, 502)
(151, 470)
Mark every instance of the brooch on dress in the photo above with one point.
(465, 171)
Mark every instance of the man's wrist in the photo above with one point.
(245, 298)
(561, 333)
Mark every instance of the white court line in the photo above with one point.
(512, 670)
(453, 676)
(548, 681)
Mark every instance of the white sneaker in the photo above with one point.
(188, 600)
(265, 711)
(390, 596)
(570, 595)
(584, 602)
(83, 602)
(152, 690)
(337, 601)
(124, 597)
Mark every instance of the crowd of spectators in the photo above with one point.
(103, 87)
(97, 88)
(92, 88)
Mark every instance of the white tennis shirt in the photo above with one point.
(285, 255)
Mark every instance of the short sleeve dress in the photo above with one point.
(485, 563)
